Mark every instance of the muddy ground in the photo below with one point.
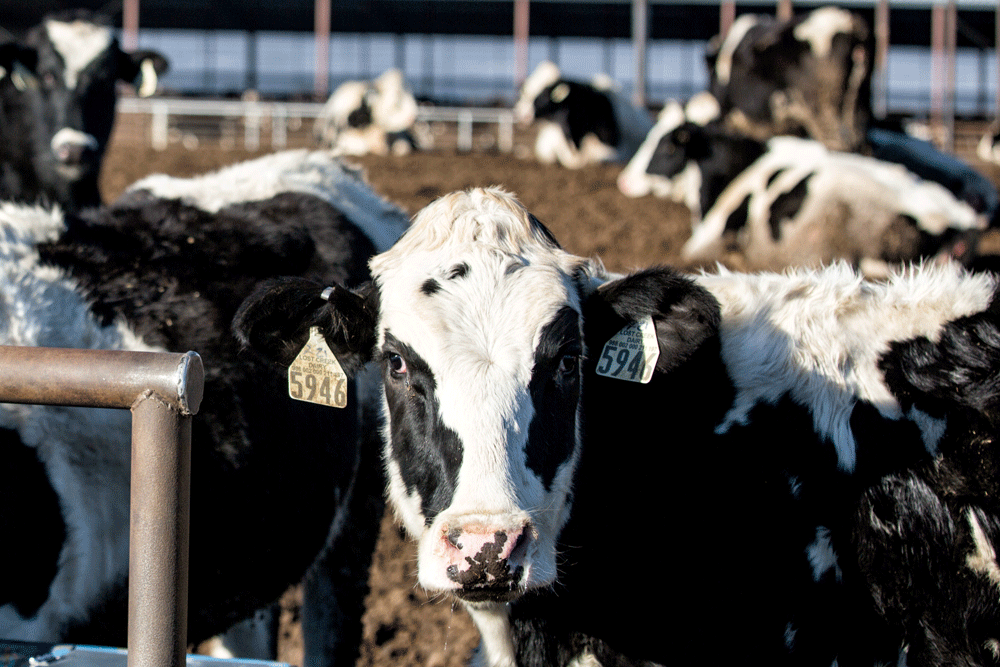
(404, 627)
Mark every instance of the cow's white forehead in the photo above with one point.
(544, 76)
(79, 43)
(821, 26)
(469, 288)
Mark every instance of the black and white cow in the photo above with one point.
(363, 117)
(988, 148)
(793, 201)
(275, 481)
(57, 107)
(579, 123)
(808, 76)
(576, 452)
(659, 166)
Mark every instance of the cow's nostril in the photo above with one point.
(453, 536)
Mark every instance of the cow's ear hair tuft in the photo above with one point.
(684, 314)
(276, 318)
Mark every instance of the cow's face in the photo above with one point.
(59, 93)
(480, 343)
(545, 76)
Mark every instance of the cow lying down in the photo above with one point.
(164, 269)
(803, 464)
(792, 201)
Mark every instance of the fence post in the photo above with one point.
(159, 125)
(163, 391)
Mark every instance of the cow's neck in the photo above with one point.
(497, 646)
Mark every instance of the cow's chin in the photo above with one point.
(72, 172)
(492, 594)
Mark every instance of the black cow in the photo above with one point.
(576, 452)
(57, 107)
(808, 76)
(579, 123)
(275, 481)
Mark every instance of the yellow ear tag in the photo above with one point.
(631, 353)
(316, 376)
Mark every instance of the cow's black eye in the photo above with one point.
(396, 364)
(568, 364)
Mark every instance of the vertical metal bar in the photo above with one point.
(159, 534)
(130, 25)
(640, 32)
(784, 10)
(950, 46)
(727, 14)
(321, 78)
(937, 66)
(464, 130)
(159, 127)
(522, 14)
(163, 391)
(505, 133)
(881, 65)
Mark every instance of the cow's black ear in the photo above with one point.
(19, 63)
(142, 69)
(684, 314)
(276, 318)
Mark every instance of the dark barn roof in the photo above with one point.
(691, 20)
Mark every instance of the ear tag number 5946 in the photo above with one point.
(631, 353)
(316, 376)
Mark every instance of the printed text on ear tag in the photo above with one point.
(316, 376)
(631, 353)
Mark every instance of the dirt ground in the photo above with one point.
(404, 627)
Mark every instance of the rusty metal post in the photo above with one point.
(881, 65)
(160, 514)
(163, 391)
(727, 14)
(640, 37)
(321, 77)
(522, 17)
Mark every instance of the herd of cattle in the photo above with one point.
(832, 426)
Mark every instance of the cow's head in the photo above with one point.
(58, 86)
(476, 319)
(661, 166)
(545, 76)
(808, 76)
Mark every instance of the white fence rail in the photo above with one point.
(256, 117)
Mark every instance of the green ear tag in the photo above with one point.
(631, 353)
(316, 376)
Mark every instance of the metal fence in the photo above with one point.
(252, 121)
(163, 391)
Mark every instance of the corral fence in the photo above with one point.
(259, 124)
(163, 392)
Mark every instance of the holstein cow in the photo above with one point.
(165, 268)
(793, 201)
(363, 117)
(579, 123)
(808, 76)
(988, 148)
(575, 451)
(651, 169)
(58, 94)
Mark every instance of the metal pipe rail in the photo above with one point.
(163, 391)
(255, 113)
